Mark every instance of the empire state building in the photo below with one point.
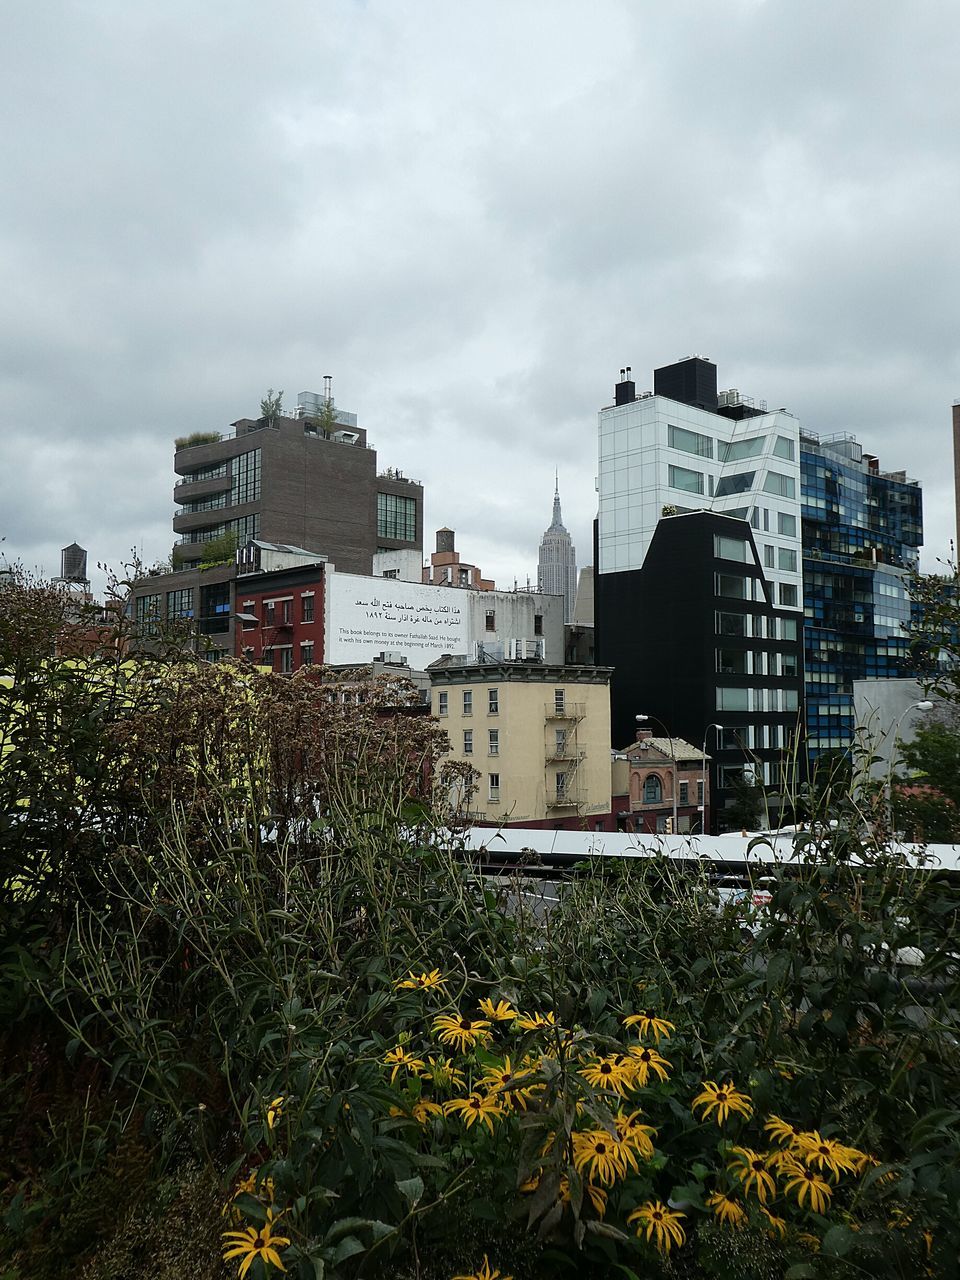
(557, 566)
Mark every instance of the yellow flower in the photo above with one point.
(811, 1190)
(275, 1111)
(722, 1097)
(778, 1226)
(474, 1108)
(502, 1011)
(598, 1197)
(824, 1153)
(421, 1111)
(781, 1131)
(485, 1273)
(461, 1032)
(661, 1223)
(421, 981)
(502, 1081)
(750, 1169)
(534, 1021)
(644, 1061)
(398, 1058)
(648, 1025)
(606, 1073)
(727, 1209)
(635, 1134)
(443, 1073)
(603, 1156)
(252, 1243)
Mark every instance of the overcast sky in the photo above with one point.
(471, 215)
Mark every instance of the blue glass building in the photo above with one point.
(861, 531)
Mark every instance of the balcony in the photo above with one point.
(188, 490)
(568, 753)
(569, 711)
(562, 800)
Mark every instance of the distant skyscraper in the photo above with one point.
(557, 567)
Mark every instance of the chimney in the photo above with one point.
(625, 392)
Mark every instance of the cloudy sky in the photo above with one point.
(471, 215)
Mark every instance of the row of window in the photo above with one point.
(493, 702)
(213, 472)
(702, 446)
(755, 625)
(493, 742)
(396, 517)
(759, 662)
(740, 587)
(280, 657)
(730, 698)
(653, 791)
(280, 612)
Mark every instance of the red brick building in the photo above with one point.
(657, 766)
(280, 617)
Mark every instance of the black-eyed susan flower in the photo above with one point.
(782, 1131)
(811, 1190)
(275, 1111)
(722, 1099)
(596, 1195)
(751, 1171)
(633, 1133)
(647, 1025)
(462, 1032)
(486, 1272)
(601, 1155)
(607, 1073)
(432, 981)
(252, 1243)
(502, 1011)
(536, 1021)
(473, 1108)
(646, 1061)
(726, 1209)
(825, 1153)
(443, 1073)
(507, 1085)
(659, 1224)
(421, 1111)
(400, 1060)
(777, 1227)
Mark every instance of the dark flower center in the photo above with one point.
(259, 1243)
(758, 1165)
(657, 1215)
(605, 1069)
(506, 1077)
(601, 1148)
(645, 1056)
(475, 1103)
(465, 1024)
(824, 1151)
(721, 1095)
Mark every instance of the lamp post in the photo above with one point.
(673, 763)
(924, 705)
(703, 807)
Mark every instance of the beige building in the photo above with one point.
(537, 734)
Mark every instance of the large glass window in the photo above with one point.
(731, 549)
(783, 486)
(740, 483)
(396, 517)
(652, 789)
(180, 603)
(788, 628)
(245, 478)
(732, 662)
(734, 585)
(787, 559)
(786, 524)
(729, 699)
(732, 624)
(784, 448)
(148, 614)
(688, 481)
(737, 450)
(689, 441)
(213, 472)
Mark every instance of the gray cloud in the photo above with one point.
(472, 216)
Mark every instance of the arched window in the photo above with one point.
(652, 789)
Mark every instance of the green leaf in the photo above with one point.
(412, 1190)
(777, 969)
(837, 1241)
(348, 1247)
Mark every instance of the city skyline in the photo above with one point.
(506, 233)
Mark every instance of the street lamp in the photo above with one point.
(673, 763)
(703, 807)
(924, 705)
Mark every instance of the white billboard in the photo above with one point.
(369, 616)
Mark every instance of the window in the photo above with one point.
(442, 699)
(786, 524)
(286, 659)
(739, 483)
(791, 700)
(788, 664)
(788, 628)
(148, 613)
(307, 608)
(490, 622)
(781, 485)
(245, 478)
(468, 702)
(731, 549)
(732, 662)
(732, 624)
(684, 796)
(787, 559)
(180, 603)
(732, 584)
(396, 517)
(493, 702)
(306, 653)
(493, 742)
(287, 611)
(493, 786)
(729, 699)
(538, 624)
(204, 473)
(767, 556)
(783, 448)
(561, 786)
(788, 594)
(700, 793)
(269, 613)
(652, 789)
(560, 742)
(560, 701)
(737, 450)
(689, 442)
(682, 478)
(468, 742)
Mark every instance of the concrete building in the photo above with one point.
(293, 480)
(886, 713)
(446, 569)
(557, 565)
(538, 734)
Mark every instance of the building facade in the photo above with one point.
(280, 612)
(537, 734)
(292, 480)
(658, 767)
(557, 564)
(448, 570)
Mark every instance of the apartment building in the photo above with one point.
(538, 735)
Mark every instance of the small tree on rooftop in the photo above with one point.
(271, 406)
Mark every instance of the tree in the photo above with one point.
(220, 550)
(271, 406)
(927, 796)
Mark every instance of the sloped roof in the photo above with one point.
(671, 748)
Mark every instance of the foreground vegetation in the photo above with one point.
(260, 1014)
